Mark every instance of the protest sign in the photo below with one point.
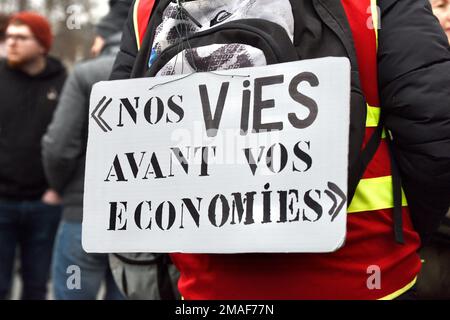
(247, 160)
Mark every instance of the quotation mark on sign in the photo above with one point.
(100, 108)
(335, 209)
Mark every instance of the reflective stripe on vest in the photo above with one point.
(374, 194)
(373, 117)
(371, 194)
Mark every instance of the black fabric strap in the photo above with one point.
(357, 171)
(360, 167)
(124, 282)
(164, 281)
(397, 190)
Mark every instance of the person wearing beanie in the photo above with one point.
(30, 84)
(34, 41)
(64, 155)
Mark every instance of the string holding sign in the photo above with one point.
(192, 73)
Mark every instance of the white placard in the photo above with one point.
(247, 160)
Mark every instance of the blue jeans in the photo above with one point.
(32, 226)
(71, 261)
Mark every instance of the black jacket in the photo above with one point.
(27, 104)
(414, 89)
(414, 77)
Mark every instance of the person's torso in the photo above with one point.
(26, 108)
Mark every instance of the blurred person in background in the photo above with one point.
(109, 24)
(64, 153)
(3, 24)
(30, 83)
(434, 279)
